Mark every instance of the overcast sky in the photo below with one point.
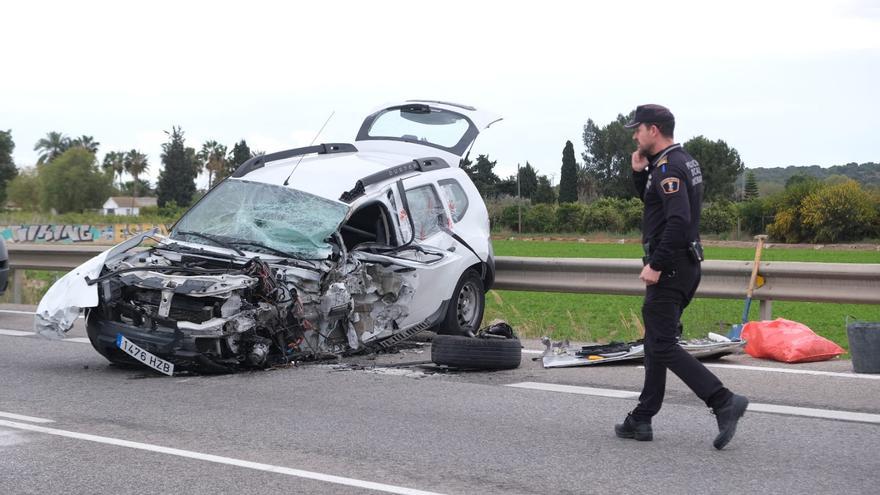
(784, 82)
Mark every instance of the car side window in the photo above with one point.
(456, 197)
(426, 210)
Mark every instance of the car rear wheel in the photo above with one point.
(465, 312)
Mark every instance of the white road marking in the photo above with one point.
(17, 312)
(15, 333)
(793, 371)
(531, 351)
(816, 413)
(21, 417)
(299, 473)
(571, 389)
(807, 412)
(21, 333)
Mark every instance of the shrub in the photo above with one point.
(503, 212)
(604, 215)
(752, 215)
(718, 217)
(788, 225)
(540, 218)
(570, 217)
(510, 216)
(631, 209)
(839, 212)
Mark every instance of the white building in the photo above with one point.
(126, 205)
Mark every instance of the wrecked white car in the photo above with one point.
(328, 249)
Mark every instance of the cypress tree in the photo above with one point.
(177, 180)
(568, 178)
(751, 188)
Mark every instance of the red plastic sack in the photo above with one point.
(787, 341)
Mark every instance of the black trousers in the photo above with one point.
(664, 303)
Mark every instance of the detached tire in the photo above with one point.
(476, 353)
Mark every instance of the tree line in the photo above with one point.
(597, 194)
(68, 177)
(594, 194)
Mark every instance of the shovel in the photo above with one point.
(736, 330)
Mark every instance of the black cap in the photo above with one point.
(646, 114)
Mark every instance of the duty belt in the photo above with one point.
(694, 251)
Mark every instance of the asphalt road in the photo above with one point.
(362, 426)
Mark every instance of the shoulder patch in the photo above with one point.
(670, 185)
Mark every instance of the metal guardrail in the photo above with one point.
(784, 281)
(62, 257)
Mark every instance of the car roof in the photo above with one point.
(329, 175)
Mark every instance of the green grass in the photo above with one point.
(602, 318)
(561, 249)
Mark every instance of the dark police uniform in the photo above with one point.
(672, 190)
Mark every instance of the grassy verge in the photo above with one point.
(602, 318)
(562, 249)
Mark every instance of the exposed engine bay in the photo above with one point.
(217, 312)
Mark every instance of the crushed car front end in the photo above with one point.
(254, 275)
(303, 253)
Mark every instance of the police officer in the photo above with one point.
(670, 184)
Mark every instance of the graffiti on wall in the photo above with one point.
(68, 234)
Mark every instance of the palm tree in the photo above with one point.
(87, 142)
(51, 147)
(213, 158)
(135, 164)
(114, 162)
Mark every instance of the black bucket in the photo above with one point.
(864, 346)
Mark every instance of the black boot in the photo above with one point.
(727, 416)
(630, 428)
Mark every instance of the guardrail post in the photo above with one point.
(17, 285)
(766, 309)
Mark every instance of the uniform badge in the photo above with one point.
(670, 185)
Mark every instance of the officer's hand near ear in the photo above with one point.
(649, 275)
(639, 161)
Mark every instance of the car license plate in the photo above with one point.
(143, 356)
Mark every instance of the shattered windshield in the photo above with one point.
(260, 217)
